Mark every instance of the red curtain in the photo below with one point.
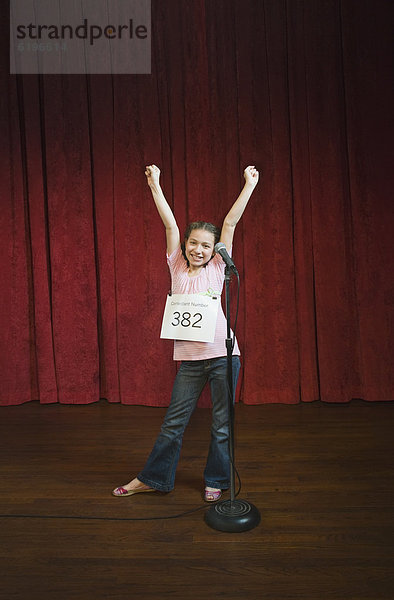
(302, 89)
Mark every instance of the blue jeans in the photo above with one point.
(159, 470)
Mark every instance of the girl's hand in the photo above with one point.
(152, 175)
(251, 175)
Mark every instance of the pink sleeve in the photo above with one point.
(175, 258)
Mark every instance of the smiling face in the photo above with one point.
(199, 247)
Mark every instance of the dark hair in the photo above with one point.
(200, 225)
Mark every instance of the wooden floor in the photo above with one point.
(320, 474)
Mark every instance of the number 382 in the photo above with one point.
(186, 319)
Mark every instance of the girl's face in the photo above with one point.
(199, 248)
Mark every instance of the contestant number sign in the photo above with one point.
(190, 317)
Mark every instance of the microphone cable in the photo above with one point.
(236, 309)
(95, 518)
(228, 387)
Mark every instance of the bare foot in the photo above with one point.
(134, 484)
(212, 494)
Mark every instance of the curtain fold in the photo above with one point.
(304, 91)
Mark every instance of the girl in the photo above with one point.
(195, 269)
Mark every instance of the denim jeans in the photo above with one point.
(159, 470)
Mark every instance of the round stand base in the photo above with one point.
(238, 515)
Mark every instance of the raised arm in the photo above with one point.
(235, 213)
(167, 216)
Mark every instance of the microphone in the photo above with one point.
(220, 248)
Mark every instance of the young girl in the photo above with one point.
(195, 269)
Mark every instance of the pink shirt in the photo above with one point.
(210, 280)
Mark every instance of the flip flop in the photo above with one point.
(212, 495)
(122, 492)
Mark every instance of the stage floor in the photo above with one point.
(320, 474)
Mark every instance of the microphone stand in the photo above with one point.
(232, 515)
